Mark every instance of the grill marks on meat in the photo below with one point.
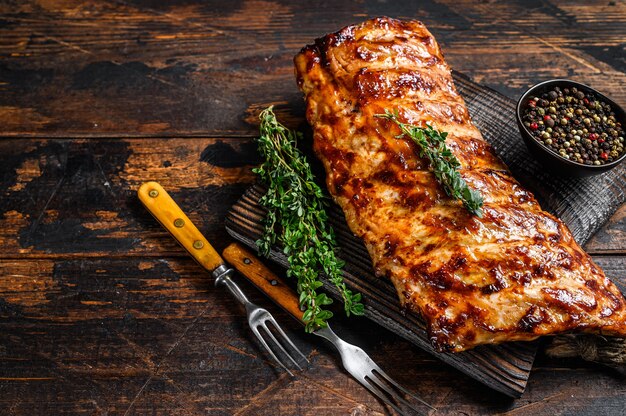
(514, 274)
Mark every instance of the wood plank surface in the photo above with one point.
(102, 313)
(107, 336)
(86, 68)
(76, 197)
(104, 266)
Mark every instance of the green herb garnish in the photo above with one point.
(296, 218)
(432, 145)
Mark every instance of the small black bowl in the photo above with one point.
(550, 159)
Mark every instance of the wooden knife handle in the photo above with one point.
(273, 286)
(168, 213)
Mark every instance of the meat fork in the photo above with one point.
(355, 360)
(159, 203)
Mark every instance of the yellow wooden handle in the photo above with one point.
(263, 278)
(168, 213)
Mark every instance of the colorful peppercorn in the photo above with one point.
(575, 125)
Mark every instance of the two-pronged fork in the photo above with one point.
(355, 360)
(169, 214)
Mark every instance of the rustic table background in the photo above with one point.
(101, 312)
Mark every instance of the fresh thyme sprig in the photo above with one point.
(296, 218)
(432, 145)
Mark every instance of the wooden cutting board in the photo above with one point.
(583, 203)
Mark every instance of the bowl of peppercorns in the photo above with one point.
(572, 128)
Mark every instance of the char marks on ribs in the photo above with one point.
(514, 274)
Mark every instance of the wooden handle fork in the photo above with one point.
(263, 278)
(161, 205)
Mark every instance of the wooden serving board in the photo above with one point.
(584, 204)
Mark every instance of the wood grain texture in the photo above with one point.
(117, 335)
(250, 266)
(85, 68)
(103, 313)
(610, 239)
(504, 368)
(78, 197)
(581, 203)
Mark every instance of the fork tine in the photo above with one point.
(267, 347)
(286, 338)
(380, 395)
(278, 344)
(391, 381)
(400, 400)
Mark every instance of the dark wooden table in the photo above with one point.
(102, 313)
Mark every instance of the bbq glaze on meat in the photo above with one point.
(514, 274)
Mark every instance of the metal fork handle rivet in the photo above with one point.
(153, 193)
(247, 261)
(273, 283)
(179, 223)
(198, 244)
